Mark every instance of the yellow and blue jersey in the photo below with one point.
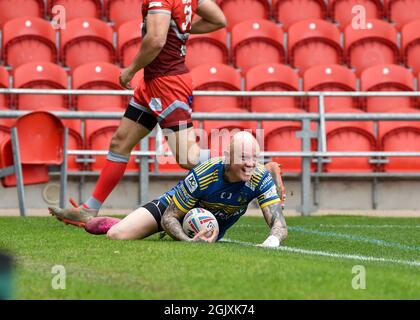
(205, 187)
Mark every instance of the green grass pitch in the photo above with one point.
(316, 261)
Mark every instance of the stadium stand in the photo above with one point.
(216, 77)
(313, 42)
(78, 8)
(28, 39)
(387, 78)
(344, 11)
(4, 83)
(377, 44)
(248, 10)
(120, 11)
(281, 136)
(255, 42)
(402, 11)
(288, 12)
(410, 45)
(93, 37)
(272, 77)
(400, 136)
(350, 136)
(165, 164)
(207, 48)
(129, 41)
(330, 77)
(12, 9)
(98, 76)
(40, 75)
(75, 142)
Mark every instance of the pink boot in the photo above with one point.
(100, 225)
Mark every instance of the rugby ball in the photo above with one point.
(198, 219)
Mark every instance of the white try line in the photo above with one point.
(412, 263)
(346, 226)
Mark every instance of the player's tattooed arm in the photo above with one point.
(171, 223)
(274, 217)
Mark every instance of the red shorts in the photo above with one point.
(167, 98)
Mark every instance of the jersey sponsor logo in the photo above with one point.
(155, 4)
(226, 195)
(250, 185)
(266, 181)
(270, 193)
(191, 183)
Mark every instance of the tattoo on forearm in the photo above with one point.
(275, 219)
(171, 223)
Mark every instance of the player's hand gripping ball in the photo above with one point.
(199, 219)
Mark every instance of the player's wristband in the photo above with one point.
(271, 241)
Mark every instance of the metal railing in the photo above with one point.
(307, 155)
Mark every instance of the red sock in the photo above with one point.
(111, 174)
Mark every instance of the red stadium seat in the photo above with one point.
(78, 8)
(255, 42)
(4, 83)
(237, 11)
(410, 45)
(387, 78)
(207, 48)
(402, 136)
(215, 77)
(99, 134)
(98, 76)
(120, 11)
(272, 77)
(402, 12)
(32, 174)
(75, 142)
(289, 12)
(377, 44)
(346, 136)
(92, 37)
(129, 41)
(12, 9)
(330, 77)
(341, 10)
(41, 75)
(313, 42)
(281, 136)
(28, 39)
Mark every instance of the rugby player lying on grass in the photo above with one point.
(223, 186)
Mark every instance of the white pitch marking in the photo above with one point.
(412, 263)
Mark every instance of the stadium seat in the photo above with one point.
(350, 136)
(313, 42)
(32, 174)
(341, 10)
(220, 132)
(12, 9)
(78, 8)
(165, 164)
(99, 134)
(387, 78)
(120, 11)
(402, 136)
(272, 77)
(402, 12)
(40, 75)
(410, 45)
(377, 44)
(237, 11)
(255, 42)
(28, 39)
(280, 136)
(98, 76)
(330, 77)
(215, 77)
(289, 12)
(207, 48)
(92, 37)
(129, 41)
(4, 83)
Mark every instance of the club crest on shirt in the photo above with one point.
(191, 183)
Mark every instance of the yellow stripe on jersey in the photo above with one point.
(178, 205)
(202, 168)
(263, 205)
